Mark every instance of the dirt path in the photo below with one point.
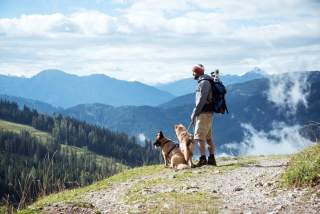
(236, 187)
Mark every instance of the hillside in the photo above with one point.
(41, 154)
(28, 155)
(248, 103)
(45, 138)
(237, 185)
(41, 107)
(58, 88)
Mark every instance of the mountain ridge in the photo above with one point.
(188, 85)
(66, 90)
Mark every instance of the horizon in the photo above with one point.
(139, 40)
(149, 84)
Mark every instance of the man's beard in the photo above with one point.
(196, 77)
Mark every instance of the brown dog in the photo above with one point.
(170, 152)
(186, 143)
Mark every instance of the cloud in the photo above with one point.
(158, 42)
(282, 139)
(288, 91)
(83, 23)
(142, 139)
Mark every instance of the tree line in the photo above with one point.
(30, 166)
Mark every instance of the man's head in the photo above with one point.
(197, 71)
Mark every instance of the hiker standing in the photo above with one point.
(202, 116)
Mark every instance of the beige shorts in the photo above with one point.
(203, 127)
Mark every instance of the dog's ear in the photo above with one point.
(160, 135)
(175, 126)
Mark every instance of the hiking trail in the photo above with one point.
(237, 185)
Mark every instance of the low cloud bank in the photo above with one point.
(141, 138)
(282, 139)
(289, 91)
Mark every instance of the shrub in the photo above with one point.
(304, 168)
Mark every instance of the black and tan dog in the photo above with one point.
(186, 143)
(170, 152)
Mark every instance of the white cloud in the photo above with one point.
(282, 139)
(288, 91)
(142, 138)
(154, 41)
(83, 23)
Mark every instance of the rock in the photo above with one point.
(292, 195)
(166, 206)
(279, 207)
(238, 189)
(138, 206)
(214, 191)
(174, 176)
(259, 184)
(268, 184)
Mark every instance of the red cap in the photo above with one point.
(198, 69)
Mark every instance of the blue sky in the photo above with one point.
(158, 41)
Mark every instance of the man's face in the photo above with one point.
(195, 75)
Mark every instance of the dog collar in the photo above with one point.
(165, 142)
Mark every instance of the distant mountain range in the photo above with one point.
(186, 86)
(65, 90)
(247, 103)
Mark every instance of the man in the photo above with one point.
(202, 116)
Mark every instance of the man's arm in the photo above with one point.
(201, 98)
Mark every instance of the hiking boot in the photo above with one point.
(212, 160)
(202, 161)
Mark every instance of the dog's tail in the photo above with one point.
(183, 166)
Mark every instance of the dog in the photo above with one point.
(186, 143)
(171, 153)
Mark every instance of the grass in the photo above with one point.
(75, 195)
(99, 158)
(170, 201)
(165, 202)
(3, 210)
(304, 168)
(146, 193)
(17, 128)
(175, 202)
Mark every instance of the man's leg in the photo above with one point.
(210, 142)
(211, 148)
(202, 147)
(200, 136)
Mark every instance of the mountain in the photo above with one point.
(247, 102)
(186, 86)
(65, 90)
(33, 104)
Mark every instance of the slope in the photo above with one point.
(237, 185)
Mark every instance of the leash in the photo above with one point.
(191, 123)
